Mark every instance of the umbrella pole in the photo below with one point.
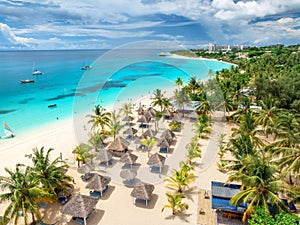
(84, 220)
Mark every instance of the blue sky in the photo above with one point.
(85, 24)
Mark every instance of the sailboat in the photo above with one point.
(35, 71)
(8, 133)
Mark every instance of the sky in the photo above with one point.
(105, 24)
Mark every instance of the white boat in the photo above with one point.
(26, 81)
(37, 72)
(8, 133)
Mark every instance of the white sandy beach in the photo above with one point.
(116, 206)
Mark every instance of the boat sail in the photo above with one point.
(8, 133)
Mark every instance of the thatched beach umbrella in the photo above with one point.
(103, 156)
(128, 158)
(79, 206)
(176, 118)
(98, 183)
(168, 134)
(140, 110)
(152, 112)
(119, 145)
(167, 114)
(127, 119)
(130, 131)
(149, 133)
(128, 174)
(142, 191)
(143, 119)
(156, 160)
(164, 144)
(85, 168)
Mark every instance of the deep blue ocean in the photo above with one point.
(115, 75)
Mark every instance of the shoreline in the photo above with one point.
(199, 58)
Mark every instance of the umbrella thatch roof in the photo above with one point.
(152, 112)
(148, 115)
(163, 143)
(128, 174)
(128, 158)
(167, 112)
(98, 183)
(176, 117)
(143, 119)
(128, 118)
(104, 156)
(168, 134)
(142, 191)
(156, 160)
(140, 110)
(85, 168)
(149, 133)
(79, 206)
(130, 131)
(62, 194)
(119, 144)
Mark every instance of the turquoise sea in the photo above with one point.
(115, 75)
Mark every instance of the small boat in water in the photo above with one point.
(86, 67)
(26, 81)
(162, 54)
(37, 72)
(8, 133)
(51, 106)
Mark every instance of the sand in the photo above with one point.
(116, 206)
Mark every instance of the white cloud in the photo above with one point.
(8, 37)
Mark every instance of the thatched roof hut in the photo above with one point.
(130, 131)
(79, 206)
(156, 160)
(98, 183)
(142, 191)
(128, 118)
(140, 110)
(168, 134)
(85, 168)
(119, 145)
(128, 158)
(104, 156)
(144, 119)
(149, 133)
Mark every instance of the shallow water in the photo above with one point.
(115, 75)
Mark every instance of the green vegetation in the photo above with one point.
(260, 217)
(26, 186)
(261, 97)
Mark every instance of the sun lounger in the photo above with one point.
(78, 220)
(42, 204)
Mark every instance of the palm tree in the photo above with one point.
(175, 203)
(115, 124)
(22, 190)
(158, 115)
(51, 174)
(166, 104)
(127, 110)
(261, 187)
(81, 152)
(181, 99)
(226, 104)
(149, 143)
(95, 140)
(158, 99)
(180, 179)
(179, 82)
(192, 151)
(204, 108)
(202, 127)
(101, 118)
(193, 84)
(267, 115)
